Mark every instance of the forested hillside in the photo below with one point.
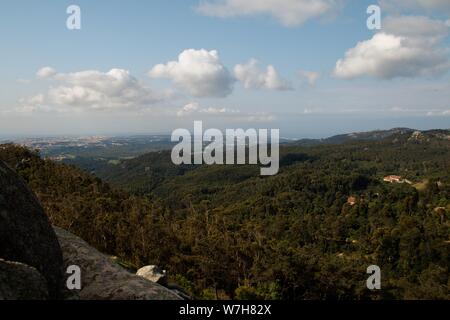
(308, 233)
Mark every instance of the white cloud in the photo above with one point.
(416, 27)
(194, 109)
(36, 100)
(434, 113)
(200, 72)
(45, 72)
(93, 90)
(33, 104)
(408, 46)
(188, 109)
(311, 77)
(257, 117)
(252, 77)
(287, 12)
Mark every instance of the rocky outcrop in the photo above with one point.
(21, 282)
(102, 279)
(31, 255)
(26, 235)
(154, 274)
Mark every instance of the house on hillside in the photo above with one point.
(393, 179)
(396, 179)
(351, 201)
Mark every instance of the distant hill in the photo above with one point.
(342, 138)
(146, 172)
(307, 233)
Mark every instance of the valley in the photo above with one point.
(307, 233)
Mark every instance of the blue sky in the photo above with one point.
(264, 64)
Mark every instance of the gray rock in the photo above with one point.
(26, 235)
(102, 279)
(19, 281)
(154, 274)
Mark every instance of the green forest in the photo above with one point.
(310, 232)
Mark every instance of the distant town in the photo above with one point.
(68, 147)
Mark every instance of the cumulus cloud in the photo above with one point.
(253, 77)
(200, 72)
(287, 12)
(408, 46)
(45, 72)
(311, 77)
(92, 89)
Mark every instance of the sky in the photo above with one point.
(311, 68)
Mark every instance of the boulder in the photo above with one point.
(19, 281)
(102, 278)
(154, 274)
(26, 235)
